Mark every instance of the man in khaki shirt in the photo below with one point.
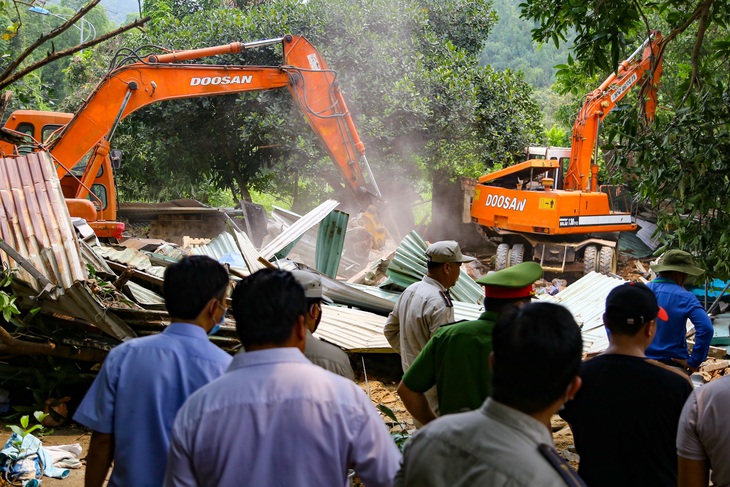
(425, 305)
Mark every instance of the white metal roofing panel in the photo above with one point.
(646, 233)
(586, 300)
(298, 228)
(353, 330)
(361, 331)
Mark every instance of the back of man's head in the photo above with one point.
(191, 283)
(266, 305)
(629, 307)
(537, 353)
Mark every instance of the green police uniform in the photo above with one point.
(456, 358)
(456, 361)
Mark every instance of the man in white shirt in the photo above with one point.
(274, 418)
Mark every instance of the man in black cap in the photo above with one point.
(425, 305)
(670, 343)
(624, 418)
(455, 360)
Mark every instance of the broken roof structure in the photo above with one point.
(115, 288)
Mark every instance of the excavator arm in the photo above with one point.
(167, 76)
(583, 170)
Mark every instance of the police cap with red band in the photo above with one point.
(512, 283)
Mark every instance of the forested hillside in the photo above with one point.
(118, 10)
(510, 45)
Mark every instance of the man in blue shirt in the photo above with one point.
(274, 418)
(143, 382)
(670, 343)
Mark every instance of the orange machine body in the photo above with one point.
(81, 148)
(543, 200)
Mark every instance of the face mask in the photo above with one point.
(217, 326)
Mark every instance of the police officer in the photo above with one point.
(455, 360)
(508, 440)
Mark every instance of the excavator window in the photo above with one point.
(48, 130)
(26, 128)
(79, 169)
(100, 192)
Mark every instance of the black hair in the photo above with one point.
(537, 353)
(266, 305)
(501, 305)
(191, 283)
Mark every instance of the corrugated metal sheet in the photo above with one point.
(221, 248)
(586, 300)
(362, 332)
(145, 297)
(462, 311)
(304, 248)
(630, 244)
(34, 221)
(298, 228)
(353, 330)
(133, 258)
(646, 234)
(330, 242)
(409, 265)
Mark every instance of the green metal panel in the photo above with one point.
(409, 265)
(285, 251)
(330, 242)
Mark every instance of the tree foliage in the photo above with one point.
(681, 164)
(408, 69)
(36, 48)
(510, 46)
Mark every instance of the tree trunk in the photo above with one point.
(448, 207)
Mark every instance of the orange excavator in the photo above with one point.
(81, 148)
(558, 215)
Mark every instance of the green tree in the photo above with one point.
(681, 163)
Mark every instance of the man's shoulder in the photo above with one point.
(316, 347)
(166, 345)
(602, 367)
(425, 288)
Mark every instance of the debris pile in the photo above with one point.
(713, 369)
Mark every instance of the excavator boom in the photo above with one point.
(90, 189)
(162, 77)
(583, 169)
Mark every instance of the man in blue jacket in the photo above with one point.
(670, 343)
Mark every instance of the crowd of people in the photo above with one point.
(173, 409)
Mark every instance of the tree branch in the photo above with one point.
(13, 346)
(701, 29)
(698, 11)
(7, 79)
(46, 37)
